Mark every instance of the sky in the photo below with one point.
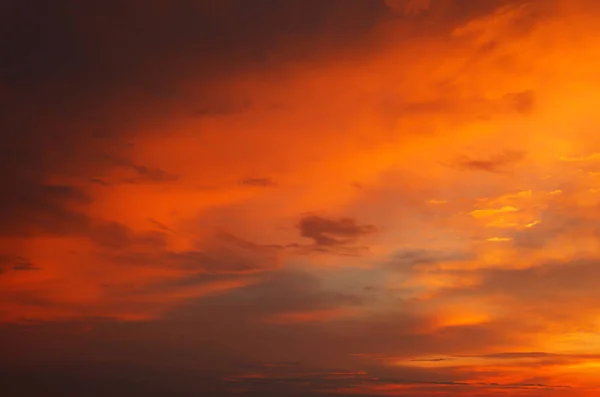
(304, 198)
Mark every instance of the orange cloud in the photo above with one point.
(216, 187)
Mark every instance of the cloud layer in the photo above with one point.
(300, 198)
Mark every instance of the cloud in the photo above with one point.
(113, 235)
(405, 260)
(496, 163)
(138, 276)
(135, 173)
(161, 226)
(259, 182)
(279, 295)
(166, 168)
(327, 233)
(551, 295)
(8, 263)
(31, 209)
(523, 102)
(226, 253)
(23, 265)
(96, 378)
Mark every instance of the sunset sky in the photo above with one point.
(303, 198)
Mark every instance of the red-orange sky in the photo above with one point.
(302, 198)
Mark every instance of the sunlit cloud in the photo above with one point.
(368, 197)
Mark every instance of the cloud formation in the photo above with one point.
(301, 198)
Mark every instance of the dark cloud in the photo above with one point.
(407, 260)
(24, 265)
(5, 261)
(98, 379)
(221, 259)
(147, 174)
(223, 253)
(518, 355)
(523, 102)
(57, 210)
(331, 233)
(161, 226)
(8, 262)
(32, 209)
(259, 182)
(278, 292)
(497, 163)
(136, 173)
(99, 182)
(70, 194)
(114, 235)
